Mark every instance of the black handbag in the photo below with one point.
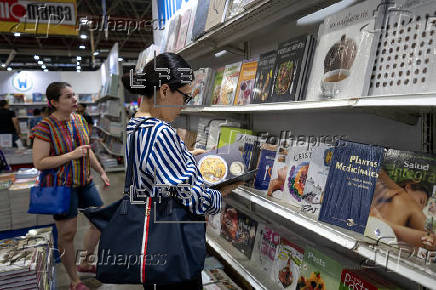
(160, 242)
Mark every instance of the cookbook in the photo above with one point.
(229, 83)
(265, 247)
(200, 86)
(245, 235)
(216, 90)
(266, 163)
(287, 265)
(350, 185)
(246, 83)
(184, 25)
(292, 57)
(344, 57)
(264, 77)
(319, 167)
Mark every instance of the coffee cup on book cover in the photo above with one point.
(333, 82)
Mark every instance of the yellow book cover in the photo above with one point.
(246, 83)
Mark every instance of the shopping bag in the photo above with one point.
(158, 242)
(52, 199)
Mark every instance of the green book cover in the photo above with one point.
(217, 85)
(228, 135)
(319, 271)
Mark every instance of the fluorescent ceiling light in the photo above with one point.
(79, 58)
(323, 13)
(45, 70)
(43, 66)
(40, 62)
(17, 34)
(96, 53)
(221, 53)
(120, 59)
(3, 65)
(79, 67)
(35, 57)
(9, 69)
(82, 47)
(83, 36)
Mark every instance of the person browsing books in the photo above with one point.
(61, 142)
(8, 122)
(169, 161)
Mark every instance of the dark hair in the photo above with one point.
(53, 92)
(423, 186)
(3, 103)
(177, 78)
(36, 112)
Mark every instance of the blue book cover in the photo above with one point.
(350, 185)
(266, 163)
(37, 97)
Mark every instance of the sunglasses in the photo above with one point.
(186, 98)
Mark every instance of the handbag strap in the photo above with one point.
(131, 161)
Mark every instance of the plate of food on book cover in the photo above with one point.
(297, 180)
(285, 77)
(213, 168)
(315, 281)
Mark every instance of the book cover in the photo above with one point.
(319, 271)
(37, 97)
(229, 83)
(200, 85)
(403, 208)
(214, 221)
(245, 235)
(214, 130)
(215, 14)
(18, 99)
(265, 247)
(344, 56)
(184, 25)
(363, 279)
(216, 90)
(279, 170)
(263, 175)
(296, 176)
(288, 70)
(217, 279)
(319, 167)
(246, 83)
(264, 77)
(228, 135)
(287, 265)
(350, 185)
(172, 40)
(229, 223)
(170, 35)
(200, 19)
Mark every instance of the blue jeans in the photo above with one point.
(81, 197)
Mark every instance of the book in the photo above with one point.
(237, 7)
(319, 167)
(345, 53)
(245, 235)
(200, 85)
(200, 19)
(292, 56)
(216, 89)
(246, 83)
(216, 13)
(263, 175)
(229, 83)
(214, 221)
(217, 279)
(170, 35)
(279, 170)
(214, 130)
(228, 135)
(264, 77)
(350, 185)
(37, 97)
(184, 25)
(404, 202)
(189, 36)
(296, 176)
(172, 39)
(319, 271)
(287, 263)
(364, 279)
(229, 223)
(265, 247)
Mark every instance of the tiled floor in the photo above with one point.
(112, 194)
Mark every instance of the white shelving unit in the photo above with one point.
(108, 133)
(110, 151)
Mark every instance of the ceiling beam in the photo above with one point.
(62, 52)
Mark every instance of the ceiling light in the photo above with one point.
(46, 70)
(79, 58)
(83, 36)
(9, 68)
(82, 47)
(17, 34)
(43, 66)
(36, 57)
(221, 53)
(120, 59)
(40, 62)
(79, 67)
(96, 53)
(4, 65)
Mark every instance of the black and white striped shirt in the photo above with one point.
(159, 149)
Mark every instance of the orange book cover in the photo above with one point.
(246, 83)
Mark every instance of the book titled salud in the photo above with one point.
(350, 185)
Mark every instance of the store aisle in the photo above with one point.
(108, 196)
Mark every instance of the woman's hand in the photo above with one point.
(196, 152)
(227, 189)
(80, 152)
(104, 178)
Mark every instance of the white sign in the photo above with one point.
(22, 82)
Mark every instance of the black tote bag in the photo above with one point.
(160, 242)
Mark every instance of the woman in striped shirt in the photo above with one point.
(166, 90)
(61, 142)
